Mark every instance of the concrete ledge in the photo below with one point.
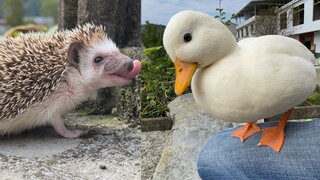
(156, 124)
(303, 112)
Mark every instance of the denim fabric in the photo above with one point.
(226, 157)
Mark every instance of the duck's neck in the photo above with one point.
(229, 42)
(227, 46)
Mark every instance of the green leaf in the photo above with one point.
(151, 50)
(151, 96)
(15, 34)
(53, 29)
(144, 62)
(157, 77)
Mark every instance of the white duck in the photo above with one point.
(239, 82)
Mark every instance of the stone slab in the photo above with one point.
(111, 150)
(191, 129)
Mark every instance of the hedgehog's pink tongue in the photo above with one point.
(135, 71)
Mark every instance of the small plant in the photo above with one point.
(314, 98)
(157, 83)
(158, 74)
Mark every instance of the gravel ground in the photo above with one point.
(111, 150)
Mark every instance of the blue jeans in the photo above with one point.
(226, 157)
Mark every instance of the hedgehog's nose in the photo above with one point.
(130, 66)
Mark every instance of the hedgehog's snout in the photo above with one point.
(130, 66)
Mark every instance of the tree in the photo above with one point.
(266, 22)
(13, 12)
(49, 8)
(151, 34)
(222, 17)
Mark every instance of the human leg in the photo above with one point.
(225, 157)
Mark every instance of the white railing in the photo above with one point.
(245, 23)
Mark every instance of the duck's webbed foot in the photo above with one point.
(274, 136)
(246, 131)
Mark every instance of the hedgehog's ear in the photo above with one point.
(73, 53)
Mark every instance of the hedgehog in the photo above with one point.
(45, 76)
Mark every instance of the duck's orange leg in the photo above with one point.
(247, 130)
(274, 136)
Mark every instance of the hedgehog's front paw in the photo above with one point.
(61, 129)
(72, 134)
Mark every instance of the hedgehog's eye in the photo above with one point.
(187, 37)
(98, 59)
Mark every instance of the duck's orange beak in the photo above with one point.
(184, 73)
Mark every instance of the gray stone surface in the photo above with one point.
(192, 127)
(151, 148)
(156, 124)
(128, 98)
(111, 150)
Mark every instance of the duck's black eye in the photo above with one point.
(187, 37)
(98, 59)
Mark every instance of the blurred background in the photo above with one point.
(23, 12)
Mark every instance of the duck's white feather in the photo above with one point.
(245, 81)
(261, 78)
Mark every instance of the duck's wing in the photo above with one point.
(278, 45)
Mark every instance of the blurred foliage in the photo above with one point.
(53, 29)
(222, 17)
(157, 83)
(14, 31)
(49, 8)
(151, 34)
(267, 22)
(314, 98)
(13, 12)
(158, 73)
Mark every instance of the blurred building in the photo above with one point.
(248, 14)
(233, 28)
(299, 19)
